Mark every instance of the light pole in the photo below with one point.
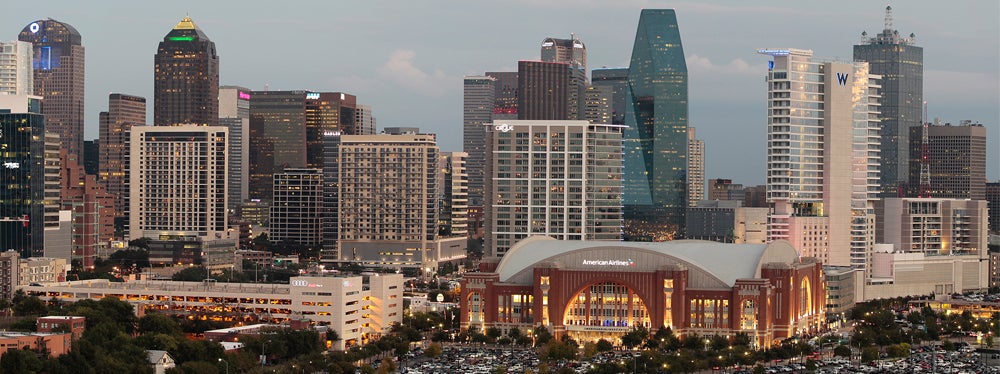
(227, 364)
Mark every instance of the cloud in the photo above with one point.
(698, 64)
(399, 69)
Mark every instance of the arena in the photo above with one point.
(592, 289)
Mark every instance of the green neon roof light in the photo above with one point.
(181, 38)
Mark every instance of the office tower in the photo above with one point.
(571, 51)
(597, 104)
(364, 119)
(656, 137)
(696, 168)
(387, 200)
(29, 169)
(725, 189)
(453, 195)
(16, 72)
(177, 182)
(555, 178)
(277, 137)
(957, 158)
(615, 79)
(478, 106)
(822, 168)
(58, 64)
(234, 113)
(330, 251)
(297, 206)
(325, 112)
(504, 94)
(901, 65)
(124, 112)
(186, 78)
(993, 203)
(92, 209)
(543, 90)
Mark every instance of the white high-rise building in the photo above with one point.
(557, 178)
(177, 181)
(822, 155)
(16, 71)
(696, 169)
(364, 120)
(234, 113)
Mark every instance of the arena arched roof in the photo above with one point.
(710, 264)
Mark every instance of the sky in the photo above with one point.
(406, 58)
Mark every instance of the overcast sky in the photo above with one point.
(407, 58)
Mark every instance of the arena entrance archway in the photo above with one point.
(604, 310)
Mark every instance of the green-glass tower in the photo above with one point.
(656, 113)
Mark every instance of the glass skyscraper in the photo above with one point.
(656, 113)
(901, 65)
(186, 78)
(58, 63)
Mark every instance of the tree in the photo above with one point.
(20, 361)
(158, 323)
(542, 335)
(869, 354)
(842, 351)
(433, 350)
(635, 337)
(29, 306)
(191, 274)
(604, 346)
(493, 333)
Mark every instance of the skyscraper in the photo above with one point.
(58, 63)
(504, 94)
(364, 119)
(234, 113)
(656, 114)
(822, 167)
(453, 195)
(696, 169)
(124, 111)
(326, 112)
(617, 80)
(29, 169)
(277, 137)
(901, 65)
(16, 72)
(177, 182)
(387, 199)
(571, 51)
(186, 78)
(478, 108)
(957, 158)
(297, 206)
(543, 90)
(555, 178)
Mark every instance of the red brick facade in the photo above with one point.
(788, 298)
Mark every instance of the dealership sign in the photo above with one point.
(625, 263)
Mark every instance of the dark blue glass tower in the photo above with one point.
(656, 114)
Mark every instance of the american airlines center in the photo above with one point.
(590, 290)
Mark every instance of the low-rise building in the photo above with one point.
(54, 344)
(72, 324)
(355, 307)
(42, 270)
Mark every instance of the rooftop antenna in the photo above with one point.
(925, 158)
(888, 18)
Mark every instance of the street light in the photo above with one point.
(227, 364)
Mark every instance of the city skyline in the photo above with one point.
(411, 76)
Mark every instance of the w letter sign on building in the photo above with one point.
(842, 78)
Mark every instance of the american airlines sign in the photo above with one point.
(624, 263)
